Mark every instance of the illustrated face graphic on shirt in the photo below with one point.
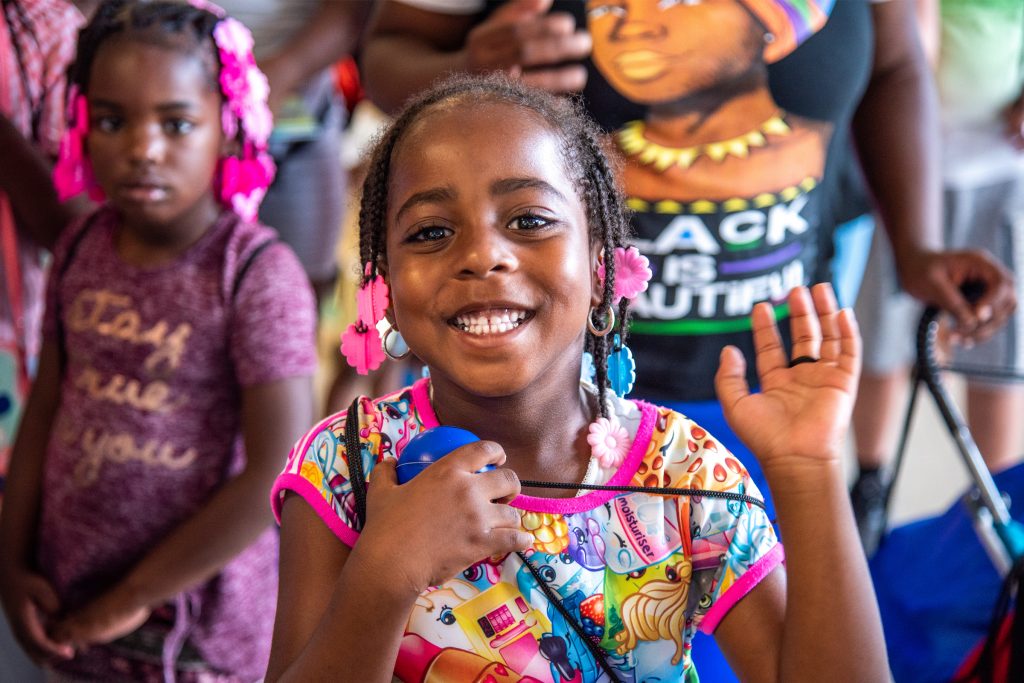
(656, 51)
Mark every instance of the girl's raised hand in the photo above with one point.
(445, 519)
(802, 412)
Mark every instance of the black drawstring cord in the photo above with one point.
(595, 651)
(667, 491)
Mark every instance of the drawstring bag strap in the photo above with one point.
(186, 613)
(354, 455)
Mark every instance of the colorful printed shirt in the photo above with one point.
(149, 426)
(640, 572)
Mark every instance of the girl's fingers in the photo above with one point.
(849, 342)
(731, 378)
(500, 484)
(385, 474)
(477, 455)
(828, 318)
(770, 355)
(803, 324)
(505, 540)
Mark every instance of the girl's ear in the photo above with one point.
(597, 282)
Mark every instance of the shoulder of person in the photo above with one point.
(318, 468)
(685, 455)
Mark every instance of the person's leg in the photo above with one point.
(877, 415)
(887, 317)
(995, 416)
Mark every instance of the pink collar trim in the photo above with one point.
(588, 501)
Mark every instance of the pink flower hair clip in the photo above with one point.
(361, 344)
(632, 273)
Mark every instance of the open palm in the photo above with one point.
(802, 411)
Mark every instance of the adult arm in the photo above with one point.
(274, 414)
(897, 134)
(407, 48)
(28, 598)
(331, 33)
(818, 618)
(928, 27)
(25, 179)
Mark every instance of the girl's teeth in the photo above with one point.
(495, 323)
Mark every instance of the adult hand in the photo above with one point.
(935, 277)
(30, 602)
(107, 618)
(801, 415)
(447, 503)
(523, 40)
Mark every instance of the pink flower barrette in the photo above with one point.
(632, 273)
(361, 343)
(609, 442)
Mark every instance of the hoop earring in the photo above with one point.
(608, 328)
(387, 350)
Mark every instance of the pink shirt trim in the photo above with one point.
(739, 590)
(563, 506)
(300, 485)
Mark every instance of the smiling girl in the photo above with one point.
(175, 371)
(493, 239)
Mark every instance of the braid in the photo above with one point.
(585, 162)
(165, 22)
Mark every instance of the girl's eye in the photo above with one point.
(529, 222)
(107, 124)
(430, 233)
(178, 126)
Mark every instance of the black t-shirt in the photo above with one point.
(730, 221)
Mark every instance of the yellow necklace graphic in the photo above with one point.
(632, 141)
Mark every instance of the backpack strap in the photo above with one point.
(253, 255)
(76, 242)
(354, 455)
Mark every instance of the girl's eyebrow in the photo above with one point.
(437, 195)
(510, 185)
(166, 106)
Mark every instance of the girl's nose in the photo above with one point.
(146, 144)
(485, 250)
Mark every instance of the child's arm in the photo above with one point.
(818, 617)
(28, 598)
(341, 612)
(274, 414)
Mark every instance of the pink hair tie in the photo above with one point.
(72, 174)
(361, 343)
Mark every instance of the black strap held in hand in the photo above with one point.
(354, 455)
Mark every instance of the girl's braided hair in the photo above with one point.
(177, 25)
(583, 159)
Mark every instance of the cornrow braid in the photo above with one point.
(592, 173)
(174, 24)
